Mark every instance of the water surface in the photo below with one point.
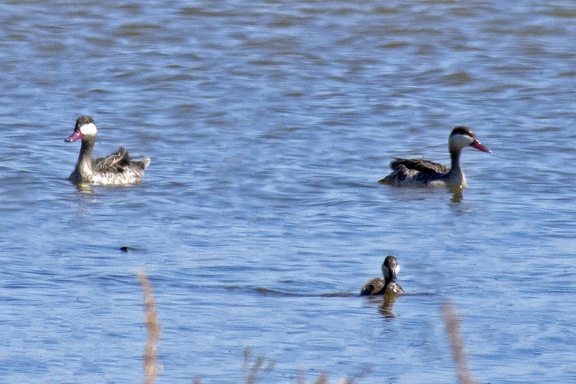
(260, 217)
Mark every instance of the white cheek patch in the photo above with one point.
(462, 140)
(89, 129)
(397, 269)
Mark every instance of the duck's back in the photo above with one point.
(373, 287)
(119, 161)
(414, 172)
(118, 169)
(115, 162)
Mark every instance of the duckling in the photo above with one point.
(378, 286)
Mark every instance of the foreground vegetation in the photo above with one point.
(254, 369)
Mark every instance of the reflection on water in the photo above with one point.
(84, 187)
(387, 304)
(457, 194)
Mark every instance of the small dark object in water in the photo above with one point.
(126, 248)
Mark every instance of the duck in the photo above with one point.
(115, 169)
(378, 286)
(425, 173)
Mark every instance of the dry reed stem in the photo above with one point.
(150, 365)
(251, 373)
(453, 329)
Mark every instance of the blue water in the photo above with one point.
(260, 216)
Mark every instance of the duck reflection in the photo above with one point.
(388, 303)
(457, 194)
